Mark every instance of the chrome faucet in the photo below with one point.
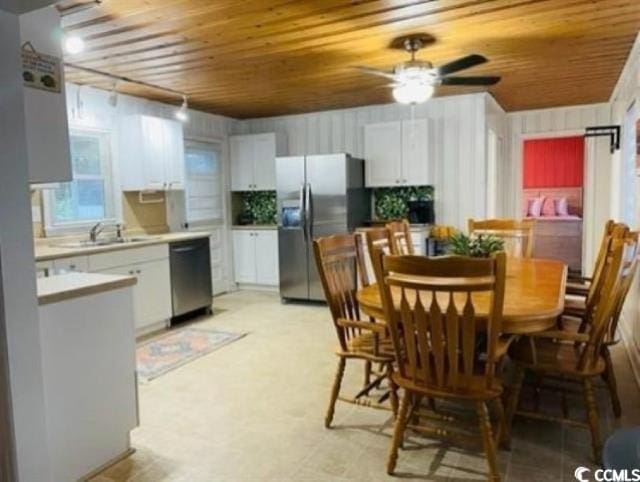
(95, 231)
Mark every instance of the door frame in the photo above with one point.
(7, 435)
(221, 146)
(587, 211)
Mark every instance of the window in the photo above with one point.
(204, 183)
(89, 197)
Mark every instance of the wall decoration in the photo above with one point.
(40, 71)
(391, 202)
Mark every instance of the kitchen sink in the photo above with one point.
(87, 243)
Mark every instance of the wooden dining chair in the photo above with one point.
(518, 235)
(337, 263)
(570, 355)
(400, 234)
(582, 308)
(579, 285)
(436, 337)
(585, 315)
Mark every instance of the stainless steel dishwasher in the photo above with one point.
(190, 276)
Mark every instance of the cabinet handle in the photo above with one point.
(138, 271)
(72, 266)
(131, 272)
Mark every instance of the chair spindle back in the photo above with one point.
(400, 237)
(435, 328)
(517, 234)
(612, 275)
(337, 263)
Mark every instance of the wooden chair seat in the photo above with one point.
(575, 307)
(551, 356)
(577, 288)
(364, 346)
(474, 389)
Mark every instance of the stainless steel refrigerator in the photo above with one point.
(317, 196)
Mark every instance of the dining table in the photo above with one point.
(533, 300)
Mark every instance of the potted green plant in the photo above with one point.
(480, 246)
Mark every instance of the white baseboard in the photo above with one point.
(252, 287)
(631, 347)
(156, 327)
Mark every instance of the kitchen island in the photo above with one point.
(88, 357)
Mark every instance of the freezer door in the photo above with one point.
(327, 209)
(292, 233)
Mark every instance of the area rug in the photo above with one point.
(172, 350)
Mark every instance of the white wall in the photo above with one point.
(18, 276)
(457, 144)
(626, 92)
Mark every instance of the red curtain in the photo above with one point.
(557, 162)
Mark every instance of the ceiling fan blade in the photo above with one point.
(379, 73)
(461, 64)
(488, 80)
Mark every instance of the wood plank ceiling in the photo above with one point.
(256, 58)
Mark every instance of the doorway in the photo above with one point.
(553, 194)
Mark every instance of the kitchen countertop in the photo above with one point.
(50, 249)
(254, 227)
(54, 289)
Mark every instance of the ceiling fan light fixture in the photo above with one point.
(412, 92)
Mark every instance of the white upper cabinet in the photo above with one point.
(151, 154)
(241, 154)
(264, 158)
(396, 153)
(415, 156)
(46, 125)
(175, 163)
(253, 161)
(382, 153)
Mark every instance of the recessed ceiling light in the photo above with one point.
(73, 44)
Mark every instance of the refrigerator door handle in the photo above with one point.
(308, 217)
(303, 211)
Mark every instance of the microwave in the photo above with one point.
(421, 212)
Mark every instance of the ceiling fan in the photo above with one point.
(414, 81)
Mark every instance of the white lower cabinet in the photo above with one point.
(255, 257)
(75, 263)
(267, 266)
(152, 293)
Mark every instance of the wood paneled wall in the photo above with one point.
(457, 144)
(627, 92)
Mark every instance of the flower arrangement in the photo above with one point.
(480, 246)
